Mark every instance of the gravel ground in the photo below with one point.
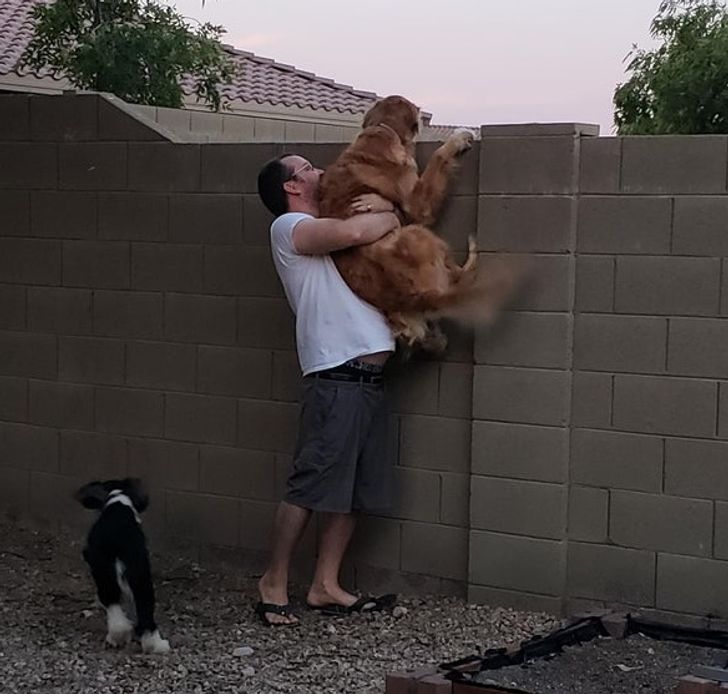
(52, 637)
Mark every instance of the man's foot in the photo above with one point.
(320, 596)
(273, 608)
(364, 604)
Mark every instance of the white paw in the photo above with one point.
(462, 140)
(119, 628)
(153, 643)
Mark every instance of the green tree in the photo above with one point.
(136, 49)
(682, 85)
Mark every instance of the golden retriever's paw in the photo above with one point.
(461, 140)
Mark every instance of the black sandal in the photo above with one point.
(264, 608)
(363, 604)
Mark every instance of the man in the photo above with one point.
(340, 465)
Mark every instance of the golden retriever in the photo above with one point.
(409, 274)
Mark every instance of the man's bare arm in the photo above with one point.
(325, 235)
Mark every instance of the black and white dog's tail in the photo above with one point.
(116, 552)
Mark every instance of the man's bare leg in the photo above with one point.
(288, 527)
(335, 536)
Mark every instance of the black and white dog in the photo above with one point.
(116, 551)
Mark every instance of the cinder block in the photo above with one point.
(678, 164)
(234, 371)
(540, 165)
(518, 507)
(517, 563)
(127, 411)
(298, 132)
(672, 406)
(92, 166)
(204, 122)
(256, 222)
(64, 118)
(237, 128)
(97, 264)
(588, 514)
(175, 119)
(30, 261)
(14, 492)
(720, 543)
(434, 684)
(264, 322)
(624, 225)
(524, 602)
(399, 683)
(508, 450)
(668, 286)
(614, 574)
(454, 499)
(60, 310)
(696, 468)
(525, 224)
(286, 376)
(435, 550)
(595, 283)
(117, 124)
(699, 226)
(677, 578)
(209, 519)
(546, 285)
(616, 460)
(51, 499)
(15, 116)
(662, 523)
(256, 524)
(28, 447)
(528, 396)
(435, 443)
(28, 354)
(28, 165)
(233, 168)
(200, 418)
(60, 405)
(133, 216)
(165, 464)
(417, 495)
(697, 347)
(166, 267)
(240, 270)
(414, 388)
(63, 214)
(206, 218)
(591, 399)
(15, 211)
(458, 220)
(90, 360)
(161, 365)
(620, 343)
(267, 426)
(208, 319)
(89, 456)
(164, 166)
(12, 307)
(696, 685)
(525, 339)
(234, 471)
(13, 399)
(455, 397)
(600, 160)
(378, 542)
(460, 340)
(128, 314)
(268, 130)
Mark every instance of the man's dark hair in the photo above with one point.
(270, 185)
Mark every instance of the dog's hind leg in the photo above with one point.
(139, 576)
(118, 627)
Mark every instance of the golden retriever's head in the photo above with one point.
(398, 113)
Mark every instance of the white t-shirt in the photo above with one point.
(333, 324)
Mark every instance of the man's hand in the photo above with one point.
(325, 235)
(370, 202)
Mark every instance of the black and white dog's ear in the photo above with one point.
(92, 495)
(134, 489)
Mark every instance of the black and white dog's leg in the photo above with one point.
(139, 576)
(118, 627)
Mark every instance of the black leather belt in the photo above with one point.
(352, 371)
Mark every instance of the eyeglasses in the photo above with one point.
(308, 166)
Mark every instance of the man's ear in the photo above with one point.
(92, 495)
(134, 489)
(291, 187)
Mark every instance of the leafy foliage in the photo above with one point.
(682, 85)
(136, 49)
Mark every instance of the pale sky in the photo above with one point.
(468, 62)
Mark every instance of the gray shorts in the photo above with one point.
(340, 463)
